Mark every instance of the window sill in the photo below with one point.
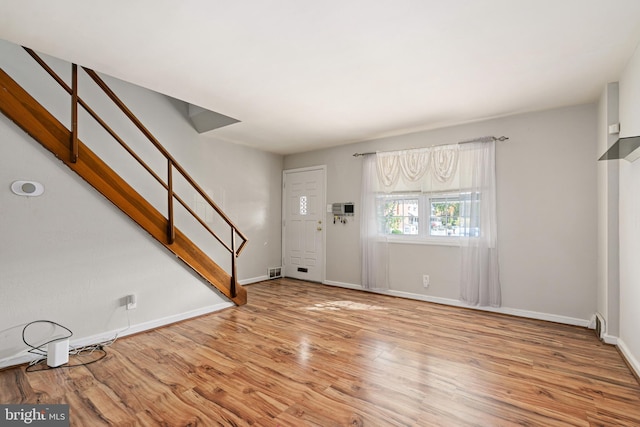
(429, 241)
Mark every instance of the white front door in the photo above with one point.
(303, 223)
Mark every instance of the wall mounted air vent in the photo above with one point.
(624, 148)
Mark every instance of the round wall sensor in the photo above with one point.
(27, 188)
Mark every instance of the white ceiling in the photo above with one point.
(302, 75)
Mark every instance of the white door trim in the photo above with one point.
(323, 168)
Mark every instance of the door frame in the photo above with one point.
(323, 204)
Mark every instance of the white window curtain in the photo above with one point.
(468, 168)
(479, 275)
(373, 243)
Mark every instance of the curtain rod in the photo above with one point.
(481, 139)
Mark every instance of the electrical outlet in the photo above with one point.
(425, 280)
(132, 302)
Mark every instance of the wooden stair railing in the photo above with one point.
(34, 119)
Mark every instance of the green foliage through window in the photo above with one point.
(400, 214)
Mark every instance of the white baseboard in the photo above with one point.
(456, 303)
(343, 285)
(592, 322)
(25, 357)
(253, 280)
(635, 364)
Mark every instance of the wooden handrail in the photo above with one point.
(171, 161)
(146, 132)
(116, 100)
(95, 116)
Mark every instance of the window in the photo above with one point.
(303, 205)
(400, 215)
(427, 216)
(445, 216)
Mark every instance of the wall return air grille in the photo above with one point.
(274, 272)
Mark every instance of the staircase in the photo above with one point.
(40, 124)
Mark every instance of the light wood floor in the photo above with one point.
(307, 354)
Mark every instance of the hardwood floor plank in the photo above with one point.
(303, 354)
(15, 387)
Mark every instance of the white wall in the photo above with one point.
(71, 256)
(546, 210)
(629, 340)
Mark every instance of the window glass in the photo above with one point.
(447, 215)
(401, 215)
(303, 205)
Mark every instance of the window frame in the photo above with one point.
(424, 235)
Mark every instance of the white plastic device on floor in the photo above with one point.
(58, 353)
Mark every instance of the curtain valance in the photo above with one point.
(418, 169)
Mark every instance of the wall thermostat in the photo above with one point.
(27, 188)
(343, 209)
